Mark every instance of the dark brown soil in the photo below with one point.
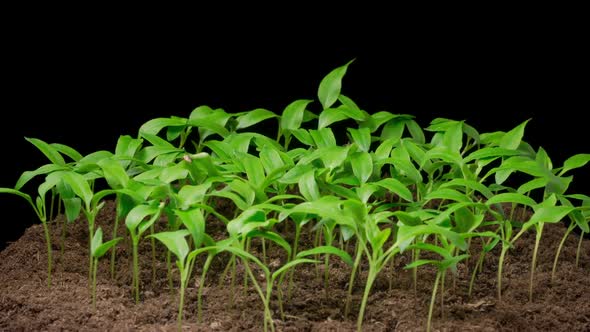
(26, 304)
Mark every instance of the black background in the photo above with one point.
(86, 85)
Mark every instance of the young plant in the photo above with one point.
(98, 249)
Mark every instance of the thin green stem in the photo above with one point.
(370, 279)
(94, 269)
(201, 286)
(355, 266)
(267, 314)
(136, 271)
(181, 301)
(474, 272)
(114, 251)
(432, 301)
(295, 247)
(500, 266)
(561, 243)
(49, 251)
(263, 251)
(534, 261)
(153, 243)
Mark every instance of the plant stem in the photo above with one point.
(295, 245)
(579, 247)
(355, 266)
(326, 275)
(500, 265)
(201, 284)
(534, 262)
(63, 239)
(442, 293)
(263, 251)
(432, 301)
(153, 242)
(114, 251)
(49, 255)
(370, 279)
(169, 270)
(474, 273)
(181, 301)
(567, 233)
(94, 268)
(267, 314)
(136, 271)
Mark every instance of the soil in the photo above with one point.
(26, 304)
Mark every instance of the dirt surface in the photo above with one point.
(26, 304)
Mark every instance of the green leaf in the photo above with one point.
(253, 117)
(246, 222)
(415, 131)
(383, 151)
(293, 115)
(490, 152)
(127, 147)
(194, 222)
(189, 195)
(396, 187)
(511, 198)
(308, 186)
(473, 185)
(175, 242)
(303, 136)
(254, 170)
(453, 137)
(379, 239)
(18, 193)
(68, 151)
(362, 138)
(407, 219)
(574, 162)
(328, 250)
(531, 185)
(511, 140)
(72, 207)
(549, 214)
(103, 248)
(28, 175)
(333, 156)
(114, 173)
(329, 116)
(447, 194)
(362, 166)
(330, 86)
(272, 236)
(291, 264)
(420, 262)
(466, 221)
(376, 120)
(96, 241)
(138, 214)
(173, 173)
(323, 138)
(49, 151)
(154, 126)
(79, 186)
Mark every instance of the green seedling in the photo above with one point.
(98, 249)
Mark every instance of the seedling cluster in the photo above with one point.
(392, 188)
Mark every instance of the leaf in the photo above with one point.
(114, 173)
(96, 241)
(254, 170)
(376, 120)
(79, 186)
(272, 236)
(333, 156)
(329, 116)
(291, 264)
(72, 207)
(574, 162)
(323, 138)
(246, 222)
(470, 184)
(293, 115)
(453, 137)
(490, 152)
(549, 214)
(420, 262)
(308, 186)
(127, 147)
(330, 86)
(511, 140)
(194, 222)
(379, 239)
(175, 242)
(103, 248)
(466, 221)
(362, 166)
(447, 194)
(511, 198)
(531, 185)
(173, 173)
(329, 250)
(189, 195)
(396, 187)
(303, 136)
(49, 151)
(415, 131)
(154, 126)
(253, 117)
(68, 151)
(383, 151)
(362, 138)
(138, 214)
(28, 175)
